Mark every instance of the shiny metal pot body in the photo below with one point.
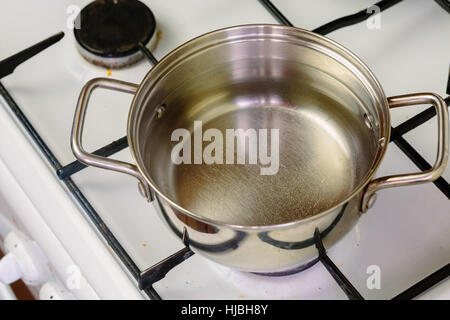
(334, 127)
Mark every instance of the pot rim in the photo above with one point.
(360, 64)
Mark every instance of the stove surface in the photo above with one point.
(405, 234)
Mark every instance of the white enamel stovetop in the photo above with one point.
(406, 234)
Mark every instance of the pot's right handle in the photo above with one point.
(442, 151)
(77, 132)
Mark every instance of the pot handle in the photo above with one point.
(77, 132)
(438, 168)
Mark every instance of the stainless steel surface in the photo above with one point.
(333, 121)
(442, 151)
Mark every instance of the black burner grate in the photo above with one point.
(148, 277)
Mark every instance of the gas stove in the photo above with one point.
(92, 236)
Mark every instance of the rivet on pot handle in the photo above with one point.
(78, 124)
(442, 152)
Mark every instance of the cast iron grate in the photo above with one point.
(147, 278)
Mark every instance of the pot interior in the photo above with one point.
(328, 110)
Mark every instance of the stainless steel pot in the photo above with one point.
(334, 128)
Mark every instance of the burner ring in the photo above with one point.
(110, 31)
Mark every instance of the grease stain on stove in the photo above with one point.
(108, 73)
(158, 38)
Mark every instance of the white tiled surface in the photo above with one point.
(406, 233)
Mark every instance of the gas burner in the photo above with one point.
(110, 31)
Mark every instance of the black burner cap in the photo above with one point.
(113, 28)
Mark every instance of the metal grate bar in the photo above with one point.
(159, 271)
(445, 4)
(148, 54)
(354, 18)
(448, 83)
(8, 65)
(337, 275)
(276, 13)
(425, 284)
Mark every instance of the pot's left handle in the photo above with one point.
(77, 132)
(441, 156)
